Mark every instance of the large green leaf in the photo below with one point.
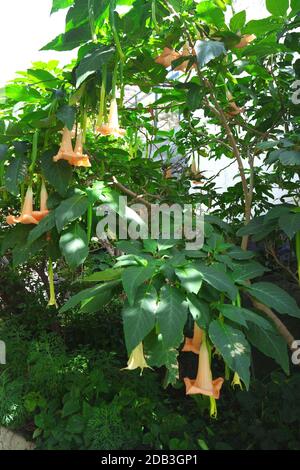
(15, 174)
(59, 174)
(247, 271)
(93, 62)
(233, 346)
(159, 355)
(242, 316)
(217, 279)
(190, 278)
(209, 12)
(109, 274)
(199, 310)
(172, 315)
(275, 297)
(237, 21)
(139, 319)
(60, 4)
(208, 50)
(277, 7)
(70, 209)
(88, 294)
(67, 114)
(271, 344)
(289, 222)
(3, 152)
(133, 277)
(74, 245)
(69, 40)
(44, 226)
(94, 304)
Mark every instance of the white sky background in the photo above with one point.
(25, 27)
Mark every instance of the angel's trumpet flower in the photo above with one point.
(52, 298)
(79, 158)
(167, 56)
(112, 127)
(39, 215)
(193, 344)
(66, 151)
(245, 40)
(137, 360)
(26, 216)
(203, 384)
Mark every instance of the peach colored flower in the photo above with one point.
(26, 216)
(245, 40)
(193, 344)
(137, 360)
(39, 215)
(112, 127)
(203, 384)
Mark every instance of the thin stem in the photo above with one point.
(102, 96)
(34, 153)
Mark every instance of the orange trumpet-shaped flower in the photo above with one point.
(235, 110)
(39, 215)
(137, 359)
(203, 384)
(66, 151)
(26, 216)
(193, 344)
(79, 158)
(245, 40)
(167, 56)
(112, 127)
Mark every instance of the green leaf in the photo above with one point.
(70, 209)
(93, 62)
(247, 271)
(133, 277)
(159, 356)
(208, 50)
(139, 319)
(190, 278)
(67, 114)
(242, 316)
(94, 304)
(60, 4)
(172, 316)
(219, 280)
(238, 253)
(58, 174)
(263, 26)
(277, 7)
(275, 297)
(44, 226)
(271, 344)
(210, 13)
(3, 151)
(15, 174)
(199, 311)
(69, 40)
(88, 294)
(237, 21)
(233, 346)
(74, 245)
(290, 223)
(109, 274)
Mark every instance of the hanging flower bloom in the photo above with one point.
(80, 159)
(52, 298)
(39, 215)
(203, 384)
(112, 127)
(26, 216)
(193, 344)
(236, 381)
(137, 359)
(66, 151)
(245, 40)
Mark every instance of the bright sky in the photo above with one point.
(26, 26)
